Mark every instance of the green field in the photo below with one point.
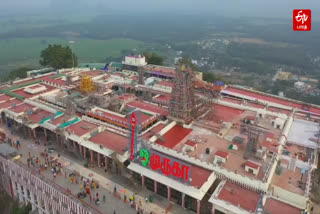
(25, 51)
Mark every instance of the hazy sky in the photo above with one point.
(264, 8)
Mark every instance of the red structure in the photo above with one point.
(133, 121)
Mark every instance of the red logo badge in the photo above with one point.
(301, 20)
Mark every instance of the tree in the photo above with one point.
(208, 76)
(18, 73)
(153, 58)
(58, 56)
(187, 61)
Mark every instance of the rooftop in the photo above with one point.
(199, 176)
(81, 128)
(225, 113)
(162, 98)
(160, 69)
(238, 196)
(274, 99)
(174, 136)
(277, 207)
(252, 165)
(148, 107)
(210, 141)
(166, 83)
(302, 132)
(4, 97)
(54, 81)
(122, 121)
(9, 103)
(24, 107)
(110, 140)
(93, 73)
(153, 131)
(292, 181)
(222, 154)
(60, 120)
(21, 91)
(39, 115)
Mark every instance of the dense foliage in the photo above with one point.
(153, 58)
(18, 73)
(58, 56)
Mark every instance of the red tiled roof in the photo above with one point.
(166, 83)
(225, 113)
(81, 128)
(273, 147)
(160, 69)
(36, 117)
(118, 120)
(153, 131)
(163, 97)
(274, 206)
(93, 73)
(265, 97)
(174, 136)
(126, 96)
(4, 97)
(27, 95)
(22, 108)
(134, 77)
(191, 143)
(33, 79)
(239, 196)
(252, 165)
(9, 103)
(59, 120)
(54, 81)
(199, 176)
(148, 107)
(115, 142)
(222, 154)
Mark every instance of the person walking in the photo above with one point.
(104, 199)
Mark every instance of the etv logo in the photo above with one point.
(301, 20)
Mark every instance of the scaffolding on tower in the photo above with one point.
(182, 102)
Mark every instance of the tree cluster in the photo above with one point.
(58, 56)
(153, 58)
(18, 73)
